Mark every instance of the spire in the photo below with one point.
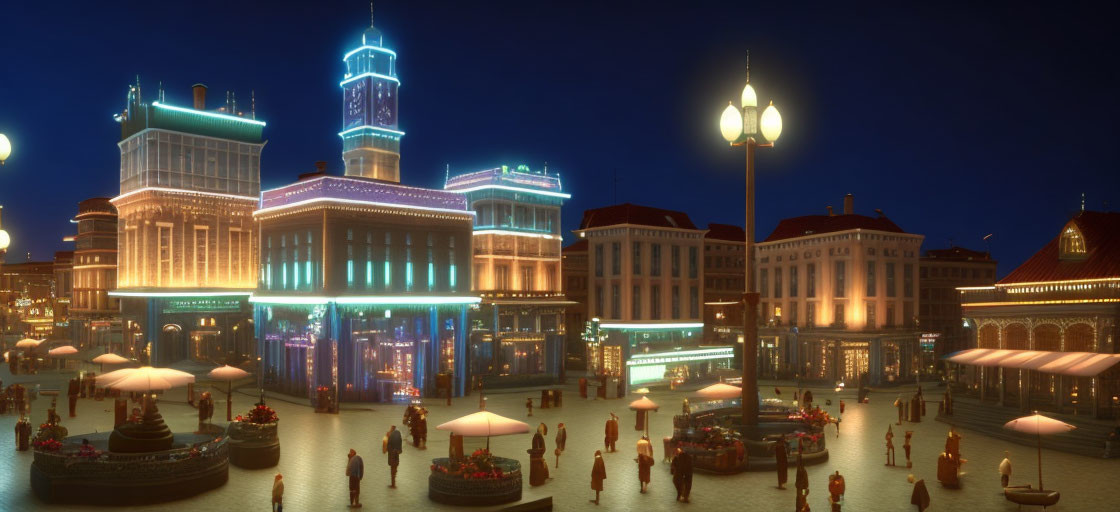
(1082, 201)
(748, 66)
(370, 13)
(253, 103)
(447, 172)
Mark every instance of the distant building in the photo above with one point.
(940, 273)
(28, 293)
(839, 299)
(365, 283)
(519, 338)
(63, 291)
(187, 243)
(95, 317)
(724, 283)
(574, 267)
(1063, 300)
(645, 289)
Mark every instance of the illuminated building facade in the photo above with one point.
(645, 288)
(63, 291)
(95, 317)
(28, 291)
(364, 283)
(187, 244)
(519, 339)
(724, 283)
(371, 140)
(940, 273)
(1064, 299)
(574, 266)
(838, 299)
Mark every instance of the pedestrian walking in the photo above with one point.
(890, 446)
(801, 483)
(355, 470)
(645, 461)
(808, 397)
(23, 434)
(611, 433)
(278, 493)
(72, 392)
(836, 490)
(1005, 470)
(598, 474)
(841, 407)
(920, 496)
(393, 446)
(781, 454)
(529, 405)
(906, 447)
(205, 410)
(422, 428)
(561, 441)
(898, 403)
(681, 469)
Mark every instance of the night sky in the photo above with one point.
(955, 122)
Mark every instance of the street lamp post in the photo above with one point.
(739, 125)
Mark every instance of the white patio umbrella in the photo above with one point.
(644, 405)
(28, 343)
(65, 350)
(229, 374)
(109, 358)
(1038, 425)
(485, 423)
(720, 391)
(144, 378)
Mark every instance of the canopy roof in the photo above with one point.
(1076, 364)
(721, 391)
(644, 404)
(485, 424)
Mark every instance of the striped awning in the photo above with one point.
(1075, 364)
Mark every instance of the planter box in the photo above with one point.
(253, 445)
(456, 490)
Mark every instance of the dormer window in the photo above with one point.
(1073, 244)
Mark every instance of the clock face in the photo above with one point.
(385, 105)
(355, 104)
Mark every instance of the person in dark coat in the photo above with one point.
(529, 405)
(598, 474)
(355, 469)
(782, 457)
(920, 496)
(422, 428)
(23, 434)
(890, 446)
(682, 474)
(801, 483)
(205, 410)
(393, 449)
(808, 397)
(645, 461)
(611, 433)
(72, 393)
(561, 441)
(836, 490)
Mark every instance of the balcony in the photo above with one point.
(1061, 292)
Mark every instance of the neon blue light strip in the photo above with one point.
(368, 127)
(226, 117)
(633, 327)
(356, 201)
(408, 276)
(350, 272)
(452, 276)
(681, 356)
(513, 233)
(431, 276)
(369, 274)
(368, 74)
(403, 300)
(307, 273)
(514, 189)
(180, 294)
(388, 274)
(368, 47)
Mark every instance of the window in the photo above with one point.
(655, 260)
(890, 314)
(452, 278)
(793, 281)
(655, 302)
(811, 280)
(501, 277)
(201, 253)
(349, 260)
(908, 280)
(838, 314)
(616, 259)
(676, 298)
(598, 260)
(599, 300)
(778, 283)
(694, 302)
(764, 282)
(838, 291)
(616, 302)
(408, 262)
(890, 279)
(810, 314)
(693, 262)
(792, 313)
(527, 278)
(388, 259)
(908, 314)
(871, 279)
(431, 265)
(636, 304)
(636, 258)
(1073, 244)
(675, 264)
(369, 261)
(923, 272)
(163, 270)
(870, 315)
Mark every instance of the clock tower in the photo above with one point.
(371, 142)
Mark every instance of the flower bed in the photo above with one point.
(481, 479)
(715, 449)
(254, 438)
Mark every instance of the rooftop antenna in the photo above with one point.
(370, 13)
(1082, 201)
(137, 88)
(748, 66)
(546, 167)
(161, 91)
(253, 103)
(233, 106)
(447, 170)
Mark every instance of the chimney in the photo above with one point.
(199, 96)
(830, 214)
(849, 205)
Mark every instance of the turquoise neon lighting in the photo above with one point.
(408, 276)
(402, 300)
(305, 202)
(295, 275)
(268, 273)
(515, 189)
(349, 272)
(284, 275)
(431, 276)
(451, 276)
(368, 47)
(307, 272)
(368, 127)
(681, 356)
(369, 274)
(388, 274)
(635, 327)
(640, 374)
(116, 293)
(514, 233)
(226, 117)
(369, 74)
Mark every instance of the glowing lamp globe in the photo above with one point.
(5, 240)
(5, 148)
(750, 99)
(731, 123)
(771, 122)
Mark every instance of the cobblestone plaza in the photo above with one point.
(314, 448)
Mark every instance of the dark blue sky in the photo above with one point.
(956, 121)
